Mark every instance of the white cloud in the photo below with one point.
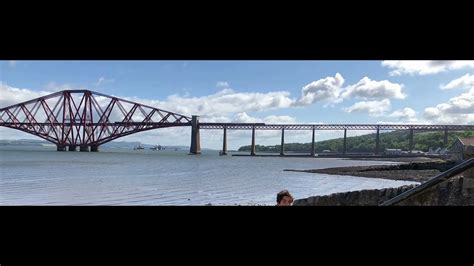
(10, 95)
(367, 88)
(245, 118)
(280, 119)
(326, 89)
(103, 81)
(373, 108)
(223, 103)
(458, 110)
(424, 67)
(12, 63)
(330, 90)
(405, 115)
(271, 119)
(406, 112)
(462, 82)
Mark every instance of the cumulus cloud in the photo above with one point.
(11, 95)
(373, 108)
(462, 82)
(223, 102)
(271, 119)
(424, 67)
(326, 89)
(367, 88)
(405, 115)
(330, 90)
(458, 110)
(245, 118)
(406, 112)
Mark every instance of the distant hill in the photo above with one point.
(112, 144)
(366, 143)
(23, 142)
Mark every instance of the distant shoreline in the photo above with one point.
(417, 169)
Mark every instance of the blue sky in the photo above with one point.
(268, 91)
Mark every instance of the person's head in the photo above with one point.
(284, 198)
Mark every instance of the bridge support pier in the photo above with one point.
(410, 141)
(252, 148)
(60, 147)
(224, 142)
(84, 148)
(94, 148)
(445, 142)
(72, 148)
(195, 140)
(312, 143)
(377, 141)
(282, 147)
(345, 142)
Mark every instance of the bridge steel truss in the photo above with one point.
(83, 118)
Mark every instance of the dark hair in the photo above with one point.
(282, 194)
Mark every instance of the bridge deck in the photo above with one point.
(262, 126)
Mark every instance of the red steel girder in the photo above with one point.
(83, 117)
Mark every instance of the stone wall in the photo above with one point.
(372, 197)
(456, 191)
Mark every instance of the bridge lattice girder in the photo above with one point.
(83, 117)
(261, 126)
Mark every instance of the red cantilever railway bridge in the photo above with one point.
(88, 119)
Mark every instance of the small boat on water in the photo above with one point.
(139, 147)
(157, 148)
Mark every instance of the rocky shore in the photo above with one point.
(419, 170)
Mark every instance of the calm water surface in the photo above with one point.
(42, 176)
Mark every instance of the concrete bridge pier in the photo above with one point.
(312, 143)
(60, 147)
(84, 148)
(94, 148)
(345, 142)
(377, 141)
(445, 142)
(252, 148)
(72, 148)
(195, 139)
(282, 147)
(224, 142)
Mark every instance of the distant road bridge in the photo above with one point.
(86, 119)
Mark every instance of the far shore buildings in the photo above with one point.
(462, 149)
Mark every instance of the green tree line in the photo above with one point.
(422, 141)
